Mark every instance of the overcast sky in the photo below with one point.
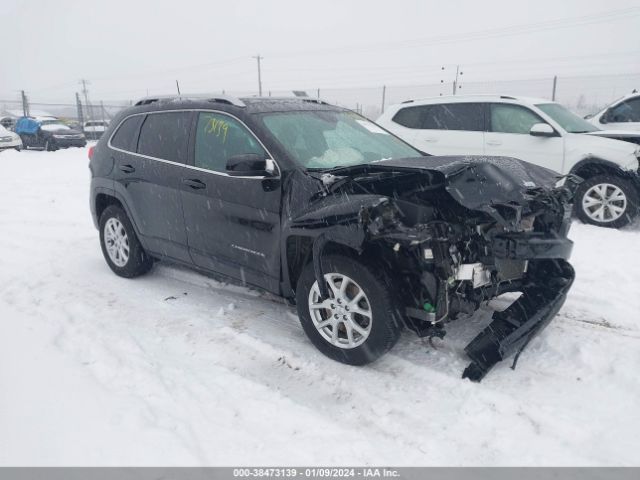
(128, 48)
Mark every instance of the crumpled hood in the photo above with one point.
(479, 181)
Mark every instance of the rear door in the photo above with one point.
(232, 223)
(149, 180)
(508, 127)
(445, 129)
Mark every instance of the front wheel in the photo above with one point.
(606, 201)
(120, 245)
(359, 321)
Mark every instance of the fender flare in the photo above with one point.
(599, 162)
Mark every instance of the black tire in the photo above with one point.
(49, 145)
(139, 262)
(630, 207)
(386, 323)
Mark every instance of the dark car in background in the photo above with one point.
(48, 133)
(314, 203)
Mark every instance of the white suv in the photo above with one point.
(535, 130)
(623, 114)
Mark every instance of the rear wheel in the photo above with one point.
(359, 321)
(120, 245)
(606, 201)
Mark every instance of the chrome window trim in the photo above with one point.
(192, 167)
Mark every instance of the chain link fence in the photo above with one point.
(582, 94)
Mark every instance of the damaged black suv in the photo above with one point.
(312, 202)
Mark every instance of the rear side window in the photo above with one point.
(165, 136)
(449, 116)
(507, 118)
(410, 117)
(127, 133)
(220, 137)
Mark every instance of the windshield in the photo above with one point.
(327, 139)
(566, 118)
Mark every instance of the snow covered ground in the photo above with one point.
(175, 368)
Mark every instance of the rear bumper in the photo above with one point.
(70, 142)
(93, 135)
(11, 145)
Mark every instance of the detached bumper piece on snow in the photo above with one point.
(543, 294)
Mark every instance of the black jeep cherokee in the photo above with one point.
(365, 234)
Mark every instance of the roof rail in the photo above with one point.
(228, 99)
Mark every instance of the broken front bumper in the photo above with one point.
(544, 290)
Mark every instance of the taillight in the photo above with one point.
(91, 151)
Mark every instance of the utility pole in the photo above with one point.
(79, 107)
(85, 92)
(178, 87)
(384, 91)
(455, 82)
(258, 58)
(25, 104)
(555, 84)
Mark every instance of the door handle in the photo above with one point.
(494, 142)
(431, 140)
(127, 168)
(194, 183)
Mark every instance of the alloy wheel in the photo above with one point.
(116, 241)
(604, 202)
(344, 319)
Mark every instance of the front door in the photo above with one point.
(508, 135)
(232, 223)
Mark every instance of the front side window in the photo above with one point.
(126, 135)
(329, 138)
(220, 137)
(508, 118)
(628, 111)
(165, 135)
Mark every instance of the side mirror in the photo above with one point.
(606, 116)
(250, 165)
(542, 130)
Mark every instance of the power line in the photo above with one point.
(511, 30)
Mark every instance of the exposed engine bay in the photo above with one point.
(453, 233)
